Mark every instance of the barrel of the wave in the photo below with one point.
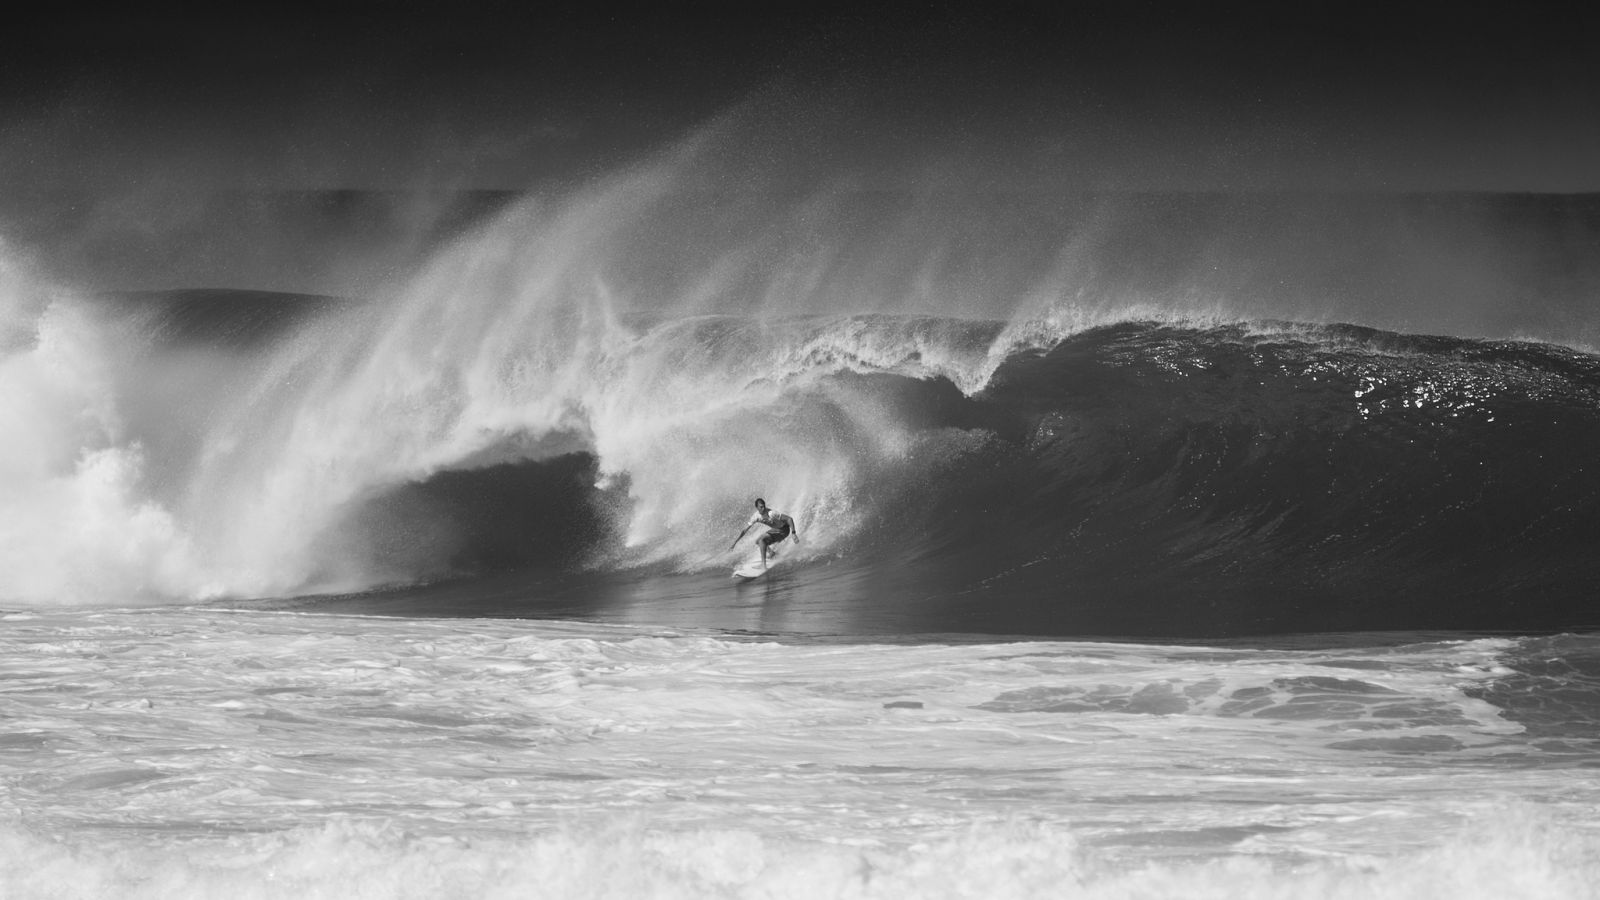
(780, 527)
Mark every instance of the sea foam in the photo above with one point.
(1512, 854)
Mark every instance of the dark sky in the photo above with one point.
(386, 95)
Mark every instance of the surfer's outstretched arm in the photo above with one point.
(739, 538)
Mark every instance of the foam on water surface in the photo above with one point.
(277, 754)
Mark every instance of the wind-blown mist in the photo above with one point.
(642, 356)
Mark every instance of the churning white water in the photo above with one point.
(195, 752)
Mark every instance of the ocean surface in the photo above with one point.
(1152, 546)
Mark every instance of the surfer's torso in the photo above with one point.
(780, 524)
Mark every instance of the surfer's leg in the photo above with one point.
(767, 540)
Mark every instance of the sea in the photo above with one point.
(1161, 545)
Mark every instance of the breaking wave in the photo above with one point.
(603, 383)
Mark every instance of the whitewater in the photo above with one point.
(1157, 546)
(182, 752)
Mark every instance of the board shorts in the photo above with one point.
(775, 535)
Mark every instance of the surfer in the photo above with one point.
(779, 527)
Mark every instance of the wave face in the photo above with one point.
(1150, 479)
(1145, 477)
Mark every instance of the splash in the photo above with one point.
(78, 523)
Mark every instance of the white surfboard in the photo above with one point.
(753, 569)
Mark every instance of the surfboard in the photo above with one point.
(753, 569)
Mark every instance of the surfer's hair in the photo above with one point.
(760, 502)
